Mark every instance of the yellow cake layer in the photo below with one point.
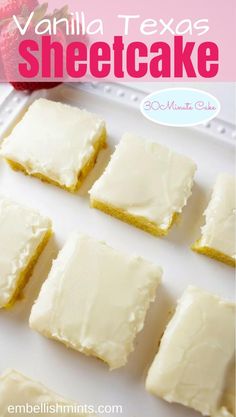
(101, 143)
(213, 253)
(137, 221)
(85, 351)
(26, 273)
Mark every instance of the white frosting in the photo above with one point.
(220, 229)
(55, 140)
(146, 179)
(18, 390)
(194, 365)
(95, 299)
(21, 232)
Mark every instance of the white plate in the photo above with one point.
(70, 373)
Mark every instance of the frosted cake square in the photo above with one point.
(95, 299)
(145, 184)
(23, 234)
(18, 390)
(195, 362)
(218, 238)
(55, 142)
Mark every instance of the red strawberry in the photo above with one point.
(9, 40)
(10, 7)
(2, 72)
(33, 86)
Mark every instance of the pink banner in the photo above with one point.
(123, 41)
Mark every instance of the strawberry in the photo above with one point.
(21, 86)
(9, 40)
(2, 74)
(10, 7)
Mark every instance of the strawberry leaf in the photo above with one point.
(40, 12)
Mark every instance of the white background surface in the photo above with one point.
(68, 372)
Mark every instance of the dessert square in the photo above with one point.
(18, 390)
(145, 184)
(218, 239)
(195, 362)
(23, 235)
(95, 299)
(55, 142)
